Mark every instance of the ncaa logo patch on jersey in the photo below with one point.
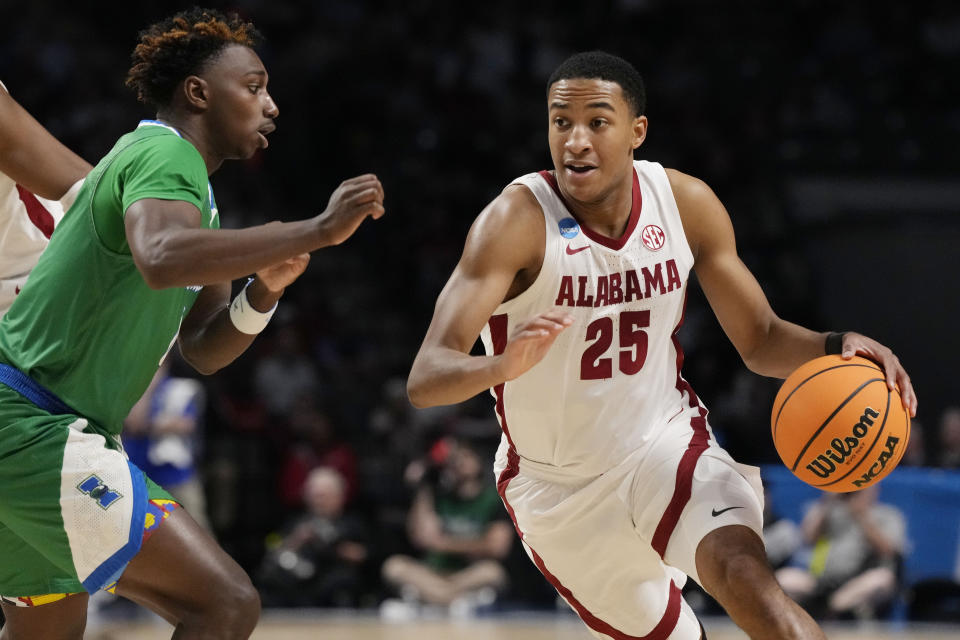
(569, 228)
(653, 237)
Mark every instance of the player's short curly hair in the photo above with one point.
(182, 45)
(605, 66)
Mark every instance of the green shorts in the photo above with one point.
(72, 507)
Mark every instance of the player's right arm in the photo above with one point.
(32, 157)
(171, 249)
(504, 248)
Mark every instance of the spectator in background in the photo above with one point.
(916, 453)
(948, 449)
(318, 561)
(285, 374)
(316, 444)
(161, 435)
(461, 528)
(852, 566)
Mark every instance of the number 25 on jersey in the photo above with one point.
(632, 350)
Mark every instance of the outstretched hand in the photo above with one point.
(349, 205)
(531, 340)
(856, 344)
(277, 277)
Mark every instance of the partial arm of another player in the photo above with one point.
(171, 249)
(768, 344)
(506, 238)
(208, 338)
(32, 157)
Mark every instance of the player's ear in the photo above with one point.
(196, 92)
(639, 131)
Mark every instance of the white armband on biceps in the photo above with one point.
(245, 318)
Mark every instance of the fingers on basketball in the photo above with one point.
(838, 426)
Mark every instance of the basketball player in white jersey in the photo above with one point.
(576, 278)
(39, 179)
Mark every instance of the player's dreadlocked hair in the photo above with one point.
(605, 66)
(180, 46)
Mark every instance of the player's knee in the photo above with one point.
(732, 564)
(734, 574)
(238, 608)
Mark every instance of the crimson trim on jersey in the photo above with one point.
(38, 214)
(611, 243)
(671, 614)
(699, 442)
(498, 335)
(667, 623)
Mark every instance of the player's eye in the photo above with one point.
(596, 123)
(253, 88)
(560, 122)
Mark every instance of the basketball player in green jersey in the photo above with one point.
(139, 263)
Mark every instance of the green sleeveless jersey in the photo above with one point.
(86, 326)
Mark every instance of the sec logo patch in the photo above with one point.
(653, 237)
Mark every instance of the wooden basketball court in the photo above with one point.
(308, 625)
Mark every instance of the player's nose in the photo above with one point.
(578, 140)
(270, 109)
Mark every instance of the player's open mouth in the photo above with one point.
(579, 168)
(264, 131)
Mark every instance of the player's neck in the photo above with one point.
(193, 132)
(609, 214)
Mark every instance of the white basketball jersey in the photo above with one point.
(26, 222)
(610, 385)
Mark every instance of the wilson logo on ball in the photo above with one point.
(826, 463)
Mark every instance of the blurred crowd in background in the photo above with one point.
(305, 457)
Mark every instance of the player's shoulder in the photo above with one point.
(515, 210)
(704, 219)
(155, 140)
(696, 201)
(509, 232)
(688, 189)
(157, 151)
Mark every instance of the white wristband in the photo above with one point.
(245, 318)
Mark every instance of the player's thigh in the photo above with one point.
(64, 619)
(723, 494)
(64, 493)
(181, 573)
(27, 577)
(51, 603)
(583, 540)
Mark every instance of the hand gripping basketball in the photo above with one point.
(837, 425)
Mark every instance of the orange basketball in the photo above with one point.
(837, 426)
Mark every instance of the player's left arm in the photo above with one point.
(208, 338)
(32, 157)
(768, 344)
